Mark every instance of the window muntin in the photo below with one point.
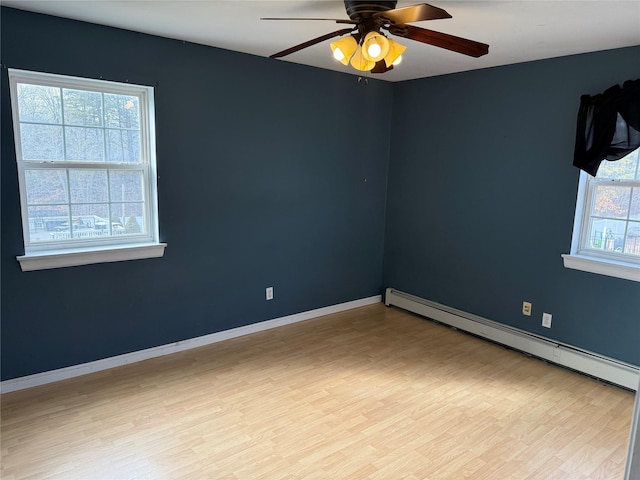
(86, 164)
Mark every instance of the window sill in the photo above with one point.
(72, 258)
(628, 271)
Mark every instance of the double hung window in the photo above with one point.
(606, 234)
(85, 152)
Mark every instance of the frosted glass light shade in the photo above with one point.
(394, 53)
(343, 49)
(375, 46)
(359, 62)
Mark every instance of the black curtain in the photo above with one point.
(608, 126)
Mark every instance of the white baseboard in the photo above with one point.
(593, 364)
(119, 360)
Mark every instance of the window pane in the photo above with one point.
(126, 186)
(624, 169)
(606, 235)
(611, 201)
(89, 221)
(82, 108)
(84, 144)
(46, 186)
(88, 186)
(122, 111)
(39, 104)
(635, 155)
(41, 142)
(134, 223)
(123, 146)
(632, 244)
(47, 222)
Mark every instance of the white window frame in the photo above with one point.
(595, 261)
(57, 253)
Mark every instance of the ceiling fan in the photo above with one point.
(368, 49)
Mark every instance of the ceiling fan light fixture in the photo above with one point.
(375, 46)
(344, 49)
(394, 54)
(367, 48)
(359, 62)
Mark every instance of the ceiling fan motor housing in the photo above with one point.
(360, 11)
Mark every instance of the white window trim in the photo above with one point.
(87, 256)
(40, 257)
(607, 267)
(589, 261)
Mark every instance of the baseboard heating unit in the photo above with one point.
(589, 363)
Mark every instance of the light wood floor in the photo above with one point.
(374, 393)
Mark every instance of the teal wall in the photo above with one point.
(264, 180)
(482, 195)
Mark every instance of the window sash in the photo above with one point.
(588, 199)
(39, 246)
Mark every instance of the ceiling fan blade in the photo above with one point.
(413, 13)
(337, 20)
(442, 40)
(381, 67)
(291, 50)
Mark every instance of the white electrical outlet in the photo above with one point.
(526, 308)
(546, 320)
(269, 293)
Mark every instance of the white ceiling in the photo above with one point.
(517, 31)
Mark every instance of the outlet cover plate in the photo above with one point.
(546, 320)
